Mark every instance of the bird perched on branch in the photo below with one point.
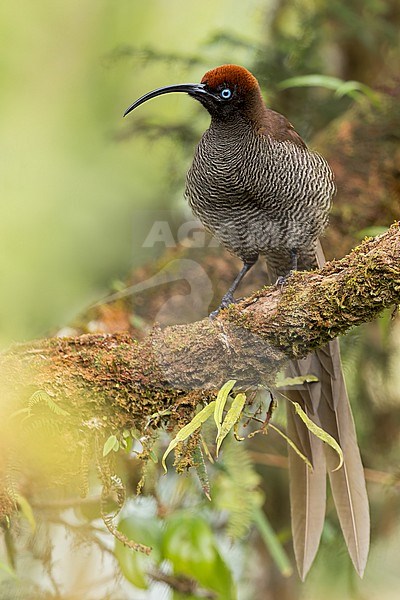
(256, 186)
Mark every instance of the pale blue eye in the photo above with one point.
(226, 94)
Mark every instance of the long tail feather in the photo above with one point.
(307, 491)
(348, 483)
(327, 404)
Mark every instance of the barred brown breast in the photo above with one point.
(259, 195)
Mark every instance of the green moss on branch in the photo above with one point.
(107, 384)
(248, 342)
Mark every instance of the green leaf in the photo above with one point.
(236, 491)
(232, 416)
(201, 470)
(291, 444)
(372, 231)
(319, 433)
(272, 542)
(206, 451)
(221, 401)
(290, 381)
(153, 456)
(354, 89)
(238, 437)
(110, 444)
(26, 510)
(188, 429)
(135, 565)
(190, 546)
(317, 80)
(42, 396)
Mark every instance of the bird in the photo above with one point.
(258, 188)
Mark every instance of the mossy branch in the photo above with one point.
(64, 397)
(248, 342)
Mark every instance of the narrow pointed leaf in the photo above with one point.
(232, 416)
(206, 450)
(221, 401)
(201, 470)
(188, 429)
(292, 445)
(332, 83)
(238, 437)
(319, 433)
(289, 381)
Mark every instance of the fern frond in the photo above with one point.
(236, 489)
(42, 423)
(40, 396)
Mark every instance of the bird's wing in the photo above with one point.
(276, 125)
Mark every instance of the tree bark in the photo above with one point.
(249, 341)
(63, 397)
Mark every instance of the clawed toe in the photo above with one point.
(282, 281)
(225, 302)
(214, 313)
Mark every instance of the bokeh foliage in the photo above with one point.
(79, 185)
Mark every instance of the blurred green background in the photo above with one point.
(69, 190)
(79, 185)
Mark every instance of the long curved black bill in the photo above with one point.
(193, 89)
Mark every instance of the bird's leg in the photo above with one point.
(280, 282)
(294, 256)
(228, 298)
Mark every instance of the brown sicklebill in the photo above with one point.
(256, 186)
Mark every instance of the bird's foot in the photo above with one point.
(282, 281)
(225, 302)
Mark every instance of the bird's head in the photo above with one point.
(225, 92)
